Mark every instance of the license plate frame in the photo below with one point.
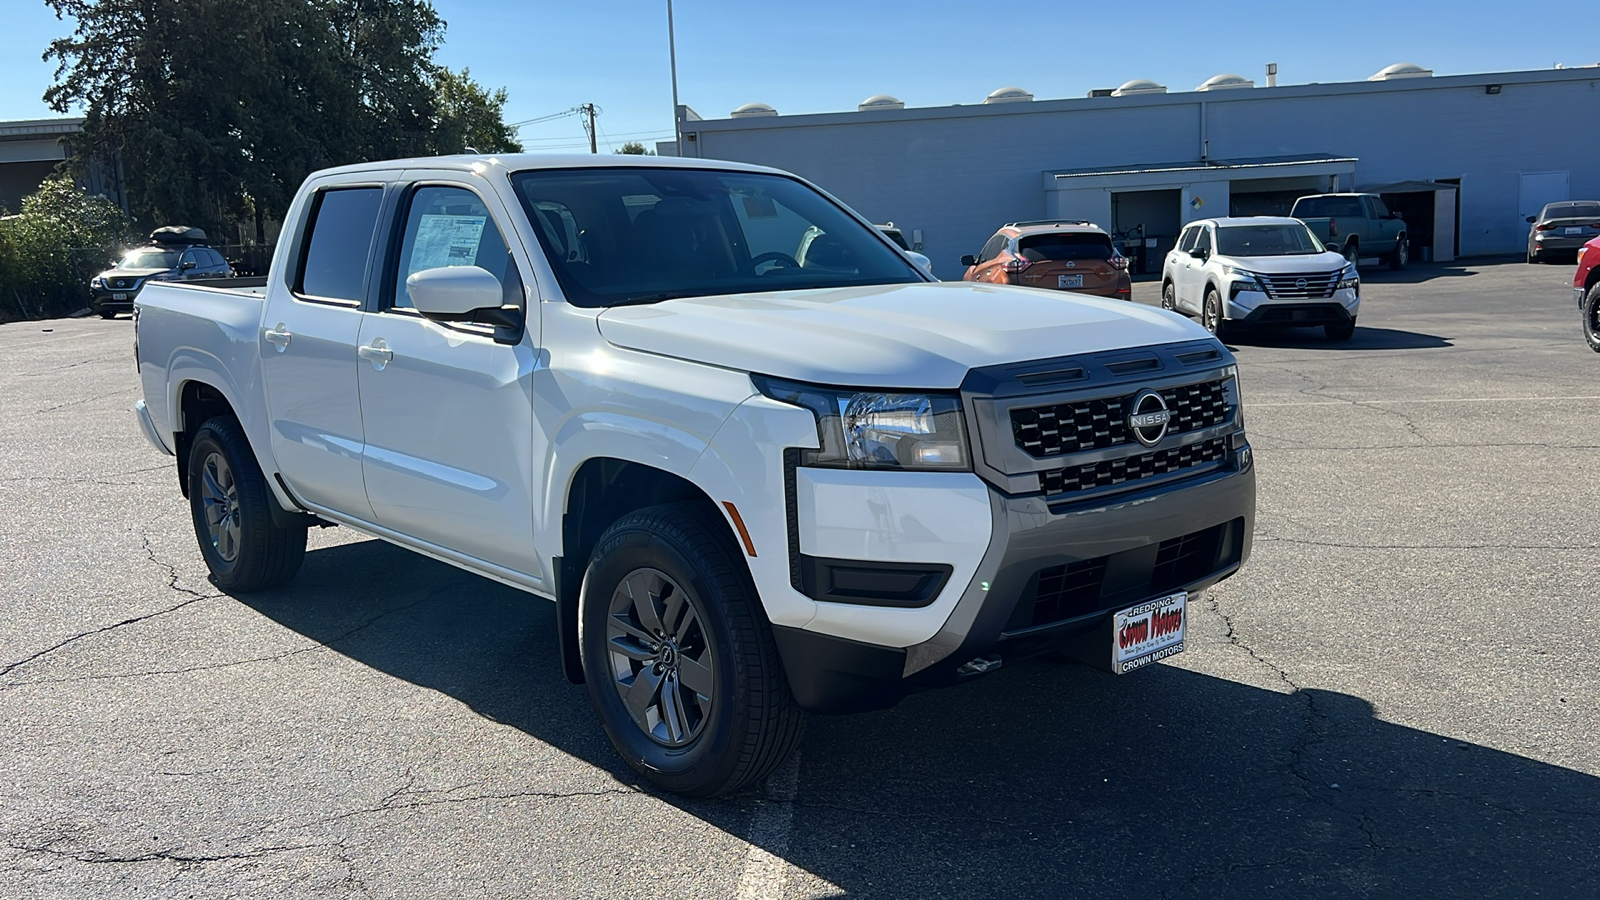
(1572, 229)
(119, 296)
(1069, 281)
(1151, 631)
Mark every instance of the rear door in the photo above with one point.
(448, 411)
(308, 342)
(1069, 261)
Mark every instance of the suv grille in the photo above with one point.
(1132, 468)
(1045, 431)
(1318, 285)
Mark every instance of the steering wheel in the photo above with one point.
(783, 260)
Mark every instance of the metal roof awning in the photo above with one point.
(1199, 171)
(1409, 187)
(1213, 165)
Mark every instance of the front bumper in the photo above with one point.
(106, 298)
(1052, 572)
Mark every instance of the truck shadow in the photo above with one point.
(1045, 781)
(1313, 338)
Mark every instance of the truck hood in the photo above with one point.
(1286, 265)
(891, 336)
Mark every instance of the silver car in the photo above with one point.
(1562, 228)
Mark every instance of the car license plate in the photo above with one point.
(1069, 281)
(119, 296)
(1576, 230)
(1147, 632)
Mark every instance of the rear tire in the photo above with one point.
(228, 501)
(678, 657)
(1340, 331)
(1352, 254)
(1169, 297)
(1401, 257)
(1591, 317)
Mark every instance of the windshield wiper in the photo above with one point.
(639, 299)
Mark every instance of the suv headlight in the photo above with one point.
(98, 282)
(878, 429)
(1348, 278)
(1244, 281)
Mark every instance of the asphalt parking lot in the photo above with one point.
(1398, 695)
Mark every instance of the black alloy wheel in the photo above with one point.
(1169, 297)
(678, 657)
(228, 501)
(1591, 317)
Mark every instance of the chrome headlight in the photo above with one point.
(1242, 281)
(1348, 279)
(98, 282)
(879, 429)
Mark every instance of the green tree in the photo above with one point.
(49, 251)
(634, 148)
(468, 115)
(219, 109)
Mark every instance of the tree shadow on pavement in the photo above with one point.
(1046, 781)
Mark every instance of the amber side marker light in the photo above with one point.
(738, 522)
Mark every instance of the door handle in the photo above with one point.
(377, 353)
(278, 335)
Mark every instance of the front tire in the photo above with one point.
(1401, 257)
(107, 313)
(678, 657)
(1340, 331)
(1211, 314)
(228, 501)
(1591, 317)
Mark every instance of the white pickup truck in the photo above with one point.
(752, 487)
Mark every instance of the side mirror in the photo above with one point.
(1200, 253)
(187, 265)
(969, 260)
(463, 294)
(1532, 219)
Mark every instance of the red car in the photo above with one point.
(1586, 287)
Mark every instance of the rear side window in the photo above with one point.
(1327, 207)
(996, 245)
(1044, 247)
(338, 242)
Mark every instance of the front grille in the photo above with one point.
(1316, 286)
(1132, 468)
(1059, 593)
(1301, 314)
(121, 283)
(1045, 431)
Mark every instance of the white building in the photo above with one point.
(1463, 158)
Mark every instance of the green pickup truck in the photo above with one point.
(1356, 225)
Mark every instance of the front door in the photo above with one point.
(1191, 274)
(448, 412)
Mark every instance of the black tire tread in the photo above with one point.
(1591, 309)
(269, 555)
(768, 701)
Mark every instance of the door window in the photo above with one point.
(1379, 211)
(1187, 239)
(451, 226)
(338, 244)
(992, 249)
(1205, 240)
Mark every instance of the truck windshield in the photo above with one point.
(1328, 208)
(1266, 240)
(150, 258)
(620, 235)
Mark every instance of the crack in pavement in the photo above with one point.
(8, 669)
(169, 855)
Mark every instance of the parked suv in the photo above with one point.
(1562, 227)
(1356, 225)
(1070, 255)
(174, 254)
(1260, 270)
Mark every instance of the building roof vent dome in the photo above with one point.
(1008, 95)
(752, 111)
(1225, 81)
(1139, 86)
(880, 101)
(1400, 70)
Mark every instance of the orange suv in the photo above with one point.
(1062, 255)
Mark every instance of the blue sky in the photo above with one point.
(828, 55)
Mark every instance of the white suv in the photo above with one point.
(1260, 270)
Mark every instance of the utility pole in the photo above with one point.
(588, 109)
(672, 56)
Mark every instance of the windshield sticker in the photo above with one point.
(444, 241)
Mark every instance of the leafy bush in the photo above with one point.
(63, 237)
